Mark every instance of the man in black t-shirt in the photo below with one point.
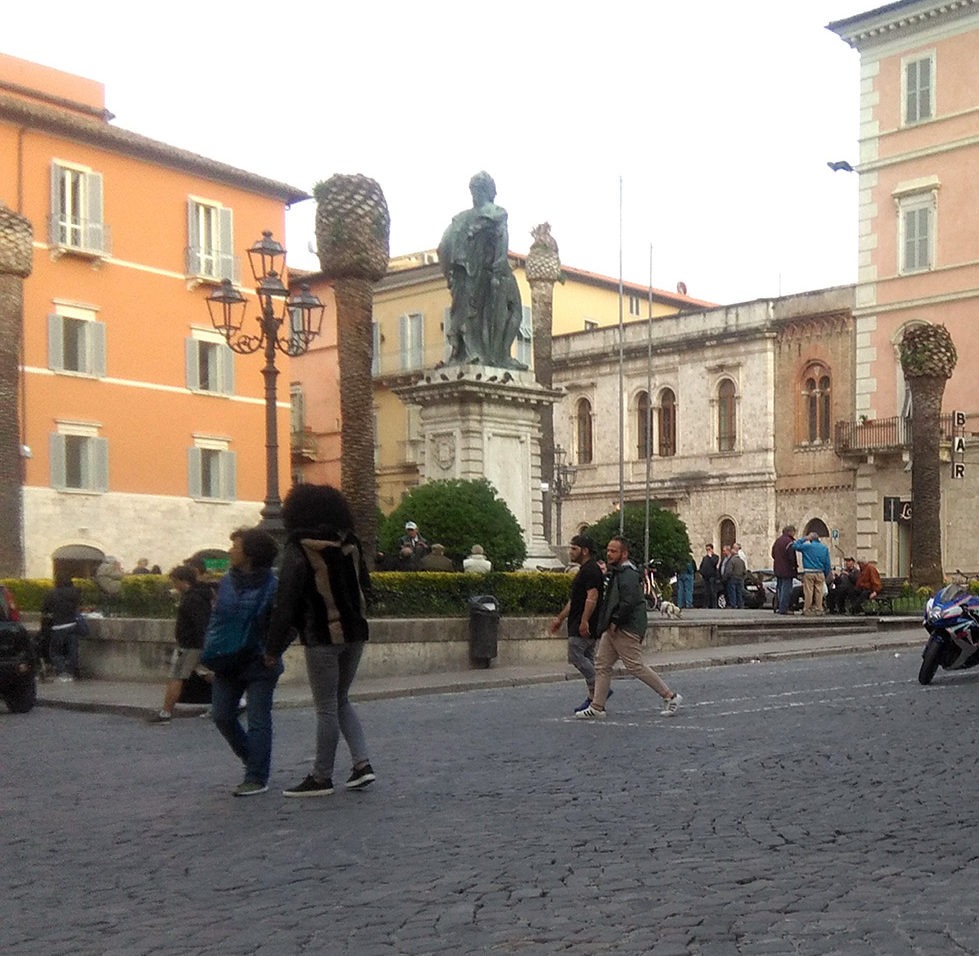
(581, 611)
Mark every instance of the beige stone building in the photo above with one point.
(743, 399)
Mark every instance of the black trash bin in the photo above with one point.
(484, 629)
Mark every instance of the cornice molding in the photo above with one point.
(896, 19)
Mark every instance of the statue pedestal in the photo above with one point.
(484, 422)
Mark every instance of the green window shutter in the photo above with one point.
(226, 361)
(193, 368)
(194, 472)
(226, 250)
(100, 464)
(56, 450)
(94, 232)
(229, 481)
(56, 343)
(96, 341)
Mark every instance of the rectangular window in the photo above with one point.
(376, 352)
(210, 241)
(523, 344)
(635, 305)
(916, 227)
(412, 340)
(590, 324)
(918, 89)
(211, 471)
(76, 342)
(210, 363)
(76, 210)
(79, 460)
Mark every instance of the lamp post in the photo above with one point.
(564, 477)
(302, 316)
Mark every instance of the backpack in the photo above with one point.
(238, 623)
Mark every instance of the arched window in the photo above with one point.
(644, 428)
(816, 394)
(667, 423)
(584, 432)
(727, 416)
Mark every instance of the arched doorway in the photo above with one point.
(818, 526)
(728, 533)
(76, 561)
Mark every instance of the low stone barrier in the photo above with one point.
(139, 650)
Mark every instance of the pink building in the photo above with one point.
(919, 261)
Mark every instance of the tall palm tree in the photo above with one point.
(543, 269)
(928, 359)
(16, 249)
(353, 229)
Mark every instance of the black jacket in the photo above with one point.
(323, 589)
(61, 606)
(193, 613)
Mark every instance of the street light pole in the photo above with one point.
(303, 318)
(564, 478)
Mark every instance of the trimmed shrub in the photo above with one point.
(669, 543)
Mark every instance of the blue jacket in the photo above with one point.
(815, 556)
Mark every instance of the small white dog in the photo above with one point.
(669, 609)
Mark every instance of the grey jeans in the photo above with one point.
(581, 653)
(331, 669)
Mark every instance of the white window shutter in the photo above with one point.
(96, 339)
(54, 233)
(100, 464)
(56, 449)
(228, 475)
(193, 239)
(194, 472)
(226, 249)
(193, 368)
(94, 233)
(226, 360)
(56, 343)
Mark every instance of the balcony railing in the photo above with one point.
(881, 434)
(87, 237)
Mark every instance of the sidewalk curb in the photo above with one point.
(473, 680)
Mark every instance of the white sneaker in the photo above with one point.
(591, 712)
(671, 705)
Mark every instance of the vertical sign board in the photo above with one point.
(958, 446)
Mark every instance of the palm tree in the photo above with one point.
(543, 269)
(353, 229)
(16, 237)
(928, 359)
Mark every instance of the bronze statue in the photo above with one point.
(486, 311)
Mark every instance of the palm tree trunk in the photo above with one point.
(355, 346)
(926, 480)
(11, 464)
(542, 311)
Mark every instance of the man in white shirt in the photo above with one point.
(476, 563)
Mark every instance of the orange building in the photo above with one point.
(919, 100)
(143, 433)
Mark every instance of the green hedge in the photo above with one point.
(143, 595)
(396, 594)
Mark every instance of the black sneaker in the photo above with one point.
(310, 787)
(360, 778)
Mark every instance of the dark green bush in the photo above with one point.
(669, 543)
(143, 595)
(459, 514)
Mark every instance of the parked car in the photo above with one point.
(771, 588)
(754, 594)
(18, 658)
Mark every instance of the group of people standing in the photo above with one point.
(319, 596)
(606, 622)
(724, 573)
(850, 588)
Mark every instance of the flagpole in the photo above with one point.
(621, 379)
(648, 424)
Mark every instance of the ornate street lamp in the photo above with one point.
(302, 316)
(563, 481)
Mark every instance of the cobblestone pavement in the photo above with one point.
(810, 806)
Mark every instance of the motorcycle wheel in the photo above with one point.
(929, 663)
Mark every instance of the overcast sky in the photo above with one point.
(719, 118)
